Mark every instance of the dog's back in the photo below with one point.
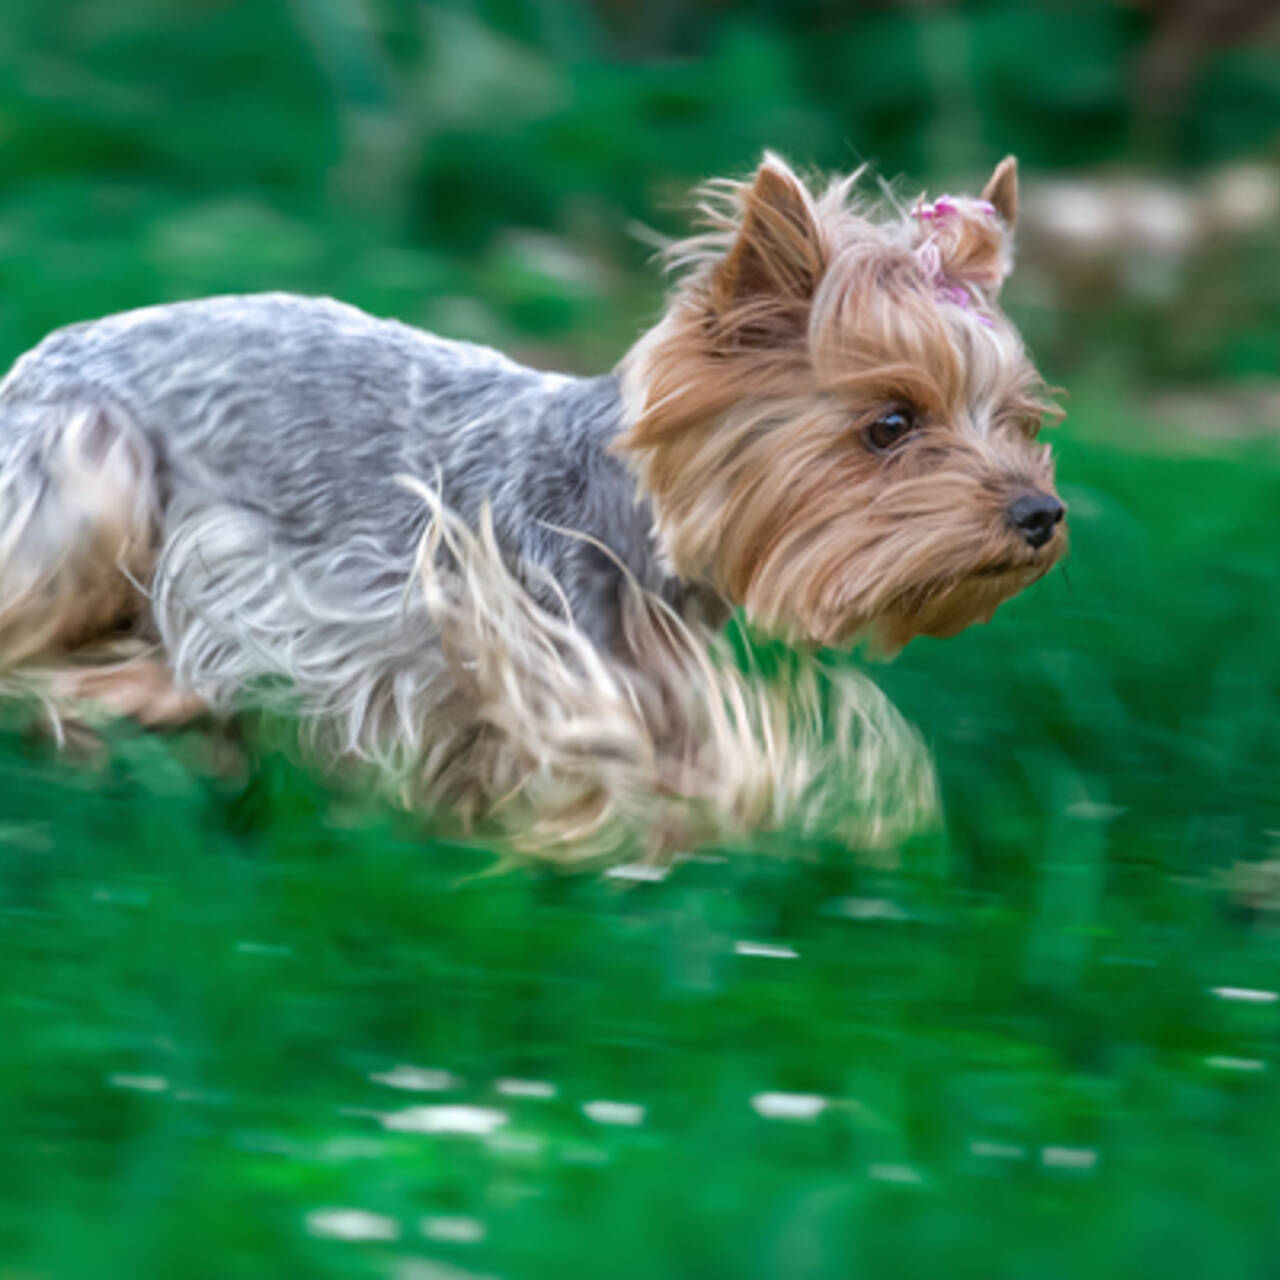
(304, 416)
(301, 410)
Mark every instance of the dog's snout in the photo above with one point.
(1035, 516)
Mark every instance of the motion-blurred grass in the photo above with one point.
(1055, 1059)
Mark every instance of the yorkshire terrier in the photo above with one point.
(494, 580)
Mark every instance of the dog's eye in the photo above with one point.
(890, 429)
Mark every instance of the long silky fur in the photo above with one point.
(582, 756)
(76, 532)
(460, 690)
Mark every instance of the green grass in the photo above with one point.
(1026, 1068)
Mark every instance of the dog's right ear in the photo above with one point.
(762, 289)
(1002, 190)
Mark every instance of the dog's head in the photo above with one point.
(835, 421)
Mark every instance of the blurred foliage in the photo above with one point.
(207, 953)
(479, 167)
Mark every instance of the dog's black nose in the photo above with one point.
(1034, 515)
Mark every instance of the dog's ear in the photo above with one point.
(970, 242)
(761, 291)
(1001, 191)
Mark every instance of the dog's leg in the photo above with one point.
(77, 511)
(141, 688)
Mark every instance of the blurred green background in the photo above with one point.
(255, 1025)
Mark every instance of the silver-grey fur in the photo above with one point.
(304, 413)
(269, 439)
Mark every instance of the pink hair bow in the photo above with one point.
(929, 256)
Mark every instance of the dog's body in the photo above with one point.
(832, 427)
(304, 415)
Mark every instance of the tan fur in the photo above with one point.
(1002, 190)
(69, 568)
(580, 757)
(797, 320)
(140, 687)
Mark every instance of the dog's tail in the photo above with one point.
(580, 756)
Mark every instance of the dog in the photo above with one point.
(495, 581)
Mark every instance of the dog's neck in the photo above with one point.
(635, 377)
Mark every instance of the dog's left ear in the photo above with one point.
(1001, 190)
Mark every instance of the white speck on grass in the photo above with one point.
(526, 1088)
(456, 1230)
(765, 950)
(638, 871)
(478, 1121)
(789, 1106)
(141, 1084)
(903, 1174)
(418, 1079)
(865, 909)
(1223, 1062)
(1081, 1158)
(121, 897)
(508, 1142)
(198, 1095)
(582, 1154)
(351, 1224)
(997, 1150)
(431, 1269)
(275, 949)
(604, 1112)
(1093, 811)
(1245, 995)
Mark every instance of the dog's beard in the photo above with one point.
(944, 609)
(891, 571)
(939, 608)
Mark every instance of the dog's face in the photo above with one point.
(836, 422)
